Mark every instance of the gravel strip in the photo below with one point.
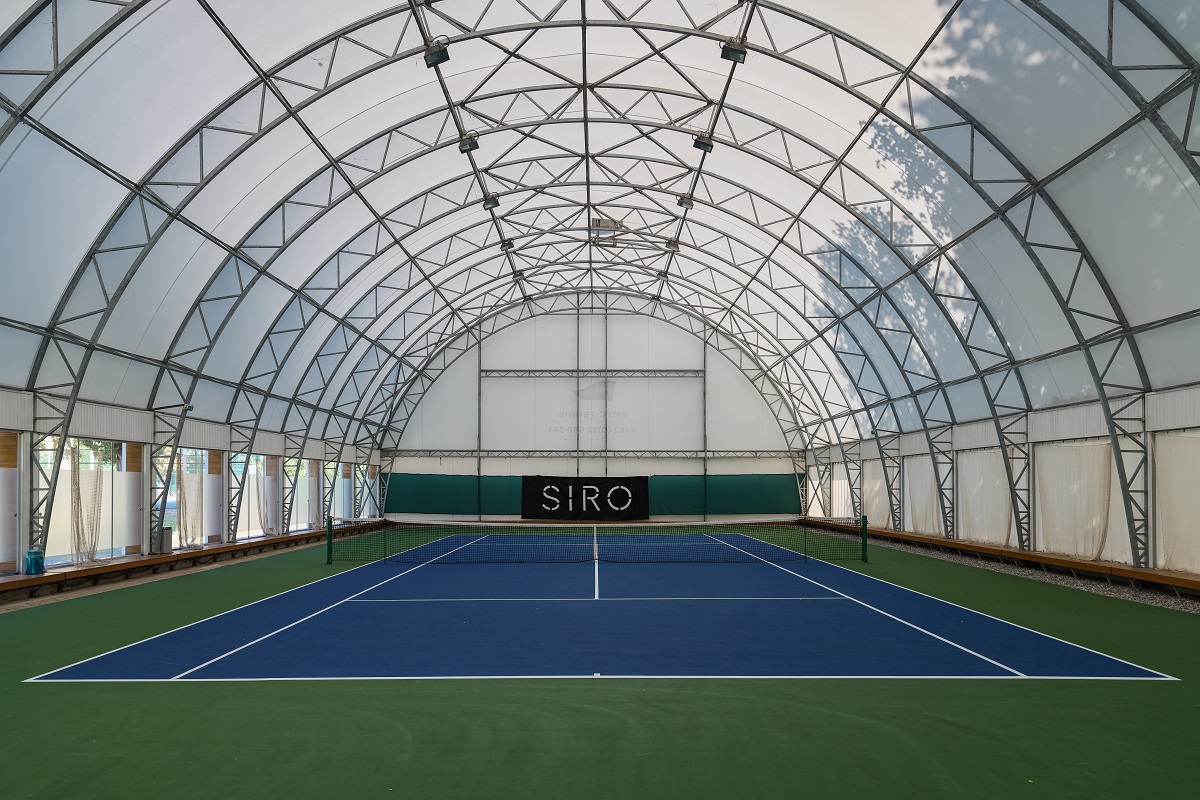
(1164, 597)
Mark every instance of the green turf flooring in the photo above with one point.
(568, 740)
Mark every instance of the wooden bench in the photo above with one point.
(14, 587)
(1106, 569)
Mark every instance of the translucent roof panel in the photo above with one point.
(915, 211)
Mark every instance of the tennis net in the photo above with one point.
(792, 539)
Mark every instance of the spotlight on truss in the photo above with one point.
(507, 244)
(703, 142)
(490, 201)
(672, 245)
(436, 53)
(685, 201)
(468, 142)
(734, 50)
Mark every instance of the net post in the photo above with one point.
(329, 540)
(864, 539)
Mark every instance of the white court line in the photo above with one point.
(593, 676)
(873, 608)
(568, 599)
(1162, 675)
(597, 595)
(323, 610)
(223, 613)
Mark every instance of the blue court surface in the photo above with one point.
(431, 618)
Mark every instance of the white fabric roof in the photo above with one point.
(913, 213)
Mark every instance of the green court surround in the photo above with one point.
(599, 738)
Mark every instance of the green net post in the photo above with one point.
(329, 540)
(864, 538)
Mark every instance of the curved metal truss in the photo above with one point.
(846, 349)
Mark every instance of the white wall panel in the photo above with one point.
(750, 466)
(1177, 409)
(912, 444)
(1072, 422)
(16, 410)
(447, 416)
(974, 435)
(267, 443)
(737, 416)
(637, 342)
(112, 424)
(204, 435)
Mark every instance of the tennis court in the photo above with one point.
(687, 601)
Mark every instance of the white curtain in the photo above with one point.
(1177, 501)
(984, 511)
(922, 509)
(1078, 508)
(876, 505)
(190, 497)
(87, 501)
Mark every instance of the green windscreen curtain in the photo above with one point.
(670, 495)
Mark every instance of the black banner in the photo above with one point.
(600, 499)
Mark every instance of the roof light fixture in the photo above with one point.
(490, 201)
(507, 244)
(734, 50)
(436, 53)
(468, 141)
(703, 142)
(672, 245)
(685, 201)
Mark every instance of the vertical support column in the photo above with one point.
(130, 489)
(1014, 439)
(361, 488)
(943, 467)
(45, 460)
(889, 456)
(479, 430)
(800, 472)
(819, 458)
(214, 497)
(854, 478)
(704, 416)
(1127, 431)
(314, 514)
(10, 504)
(383, 492)
(293, 452)
(167, 427)
(346, 489)
(329, 478)
(271, 497)
(239, 464)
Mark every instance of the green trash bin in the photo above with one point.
(35, 562)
